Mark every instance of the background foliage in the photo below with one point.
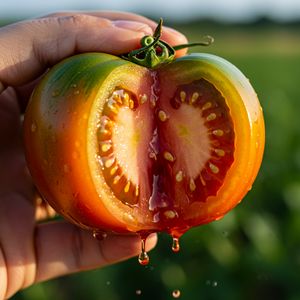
(254, 251)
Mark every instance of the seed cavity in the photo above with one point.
(168, 156)
(179, 176)
(105, 147)
(169, 214)
(214, 168)
(116, 179)
(192, 185)
(114, 108)
(202, 180)
(127, 187)
(182, 96)
(144, 98)
(162, 115)
(153, 155)
(152, 101)
(211, 117)
(220, 152)
(113, 170)
(194, 97)
(218, 132)
(109, 162)
(117, 98)
(207, 105)
(126, 99)
(131, 104)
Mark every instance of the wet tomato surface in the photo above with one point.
(115, 147)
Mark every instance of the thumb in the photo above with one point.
(29, 48)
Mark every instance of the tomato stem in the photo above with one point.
(155, 51)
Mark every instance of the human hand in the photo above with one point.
(31, 252)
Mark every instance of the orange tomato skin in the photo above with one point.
(58, 122)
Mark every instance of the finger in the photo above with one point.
(29, 48)
(43, 210)
(63, 248)
(170, 35)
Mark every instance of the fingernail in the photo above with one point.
(134, 26)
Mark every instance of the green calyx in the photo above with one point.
(155, 51)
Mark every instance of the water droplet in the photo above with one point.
(225, 233)
(175, 244)
(78, 143)
(176, 293)
(143, 257)
(138, 292)
(67, 168)
(214, 283)
(33, 127)
(76, 155)
(76, 92)
(55, 94)
(99, 236)
(108, 283)
(208, 282)
(73, 85)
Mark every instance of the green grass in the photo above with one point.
(254, 251)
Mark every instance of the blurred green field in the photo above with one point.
(254, 251)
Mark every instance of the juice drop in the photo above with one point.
(99, 236)
(33, 127)
(175, 244)
(143, 257)
(55, 94)
(176, 293)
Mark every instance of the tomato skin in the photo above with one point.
(59, 129)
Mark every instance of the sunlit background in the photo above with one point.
(254, 251)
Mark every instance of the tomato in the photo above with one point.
(116, 147)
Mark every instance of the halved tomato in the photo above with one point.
(116, 147)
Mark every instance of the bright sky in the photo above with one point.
(226, 10)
